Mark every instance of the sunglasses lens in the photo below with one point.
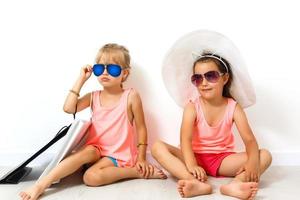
(196, 79)
(114, 70)
(98, 69)
(212, 76)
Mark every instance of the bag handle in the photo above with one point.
(91, 109)
(74, 114)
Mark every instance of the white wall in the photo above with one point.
(43, 45)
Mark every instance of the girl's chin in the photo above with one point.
(108, 84)
(105, 82)
(206, 95)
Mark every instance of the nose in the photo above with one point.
(204, 81)
(105, 71)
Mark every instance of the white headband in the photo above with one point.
(197, 57)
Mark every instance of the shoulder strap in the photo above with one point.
(199, 109)
(231, 108)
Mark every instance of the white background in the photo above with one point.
(43, 45)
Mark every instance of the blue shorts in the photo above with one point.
(113, 160)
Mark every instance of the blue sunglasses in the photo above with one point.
(112, 69)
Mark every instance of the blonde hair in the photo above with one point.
(115, 52)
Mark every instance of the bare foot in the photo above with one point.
(32, 193)
(157, 174)
(241, 190)
(194, 187)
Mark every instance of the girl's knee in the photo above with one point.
(92, 178)
(157, 147)
(265, 156)
(89, 152)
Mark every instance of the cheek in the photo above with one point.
(219, 88)
(116, 80)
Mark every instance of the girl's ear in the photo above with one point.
(125, 75)
(225, 78)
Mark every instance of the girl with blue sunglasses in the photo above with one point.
(110, 149)
(112, 69)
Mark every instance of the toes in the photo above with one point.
(254, 190)
(181, 183)
(179, 187)
(182, 195)
(27, 197)
(162, 174)
(253, 194)
(181, 192)
(21, 194)
(157, 169)
(164, 177)
(253, 185)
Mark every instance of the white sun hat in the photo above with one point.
(177, 67)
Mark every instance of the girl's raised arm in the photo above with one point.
(72, 98)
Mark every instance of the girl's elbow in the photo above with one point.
(67, 110)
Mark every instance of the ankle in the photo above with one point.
(42, 186)
(240, 178)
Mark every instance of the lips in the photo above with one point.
(105, 79)
(206, 89)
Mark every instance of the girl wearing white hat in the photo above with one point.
(213, 100)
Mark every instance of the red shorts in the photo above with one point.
(211, 162)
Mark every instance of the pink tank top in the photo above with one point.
(111, 131)
(217, 139)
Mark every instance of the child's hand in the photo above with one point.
(144, 168)
(198, 172)
(86, 72)
(252, 173)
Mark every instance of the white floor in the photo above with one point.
(279, 182)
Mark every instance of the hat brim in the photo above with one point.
(178, 67)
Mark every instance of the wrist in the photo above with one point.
(190, 164)
(142, 144)
(75, 93)
(141, 154)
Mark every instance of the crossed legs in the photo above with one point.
(104, 172)
(171, 159)
(100, 173)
